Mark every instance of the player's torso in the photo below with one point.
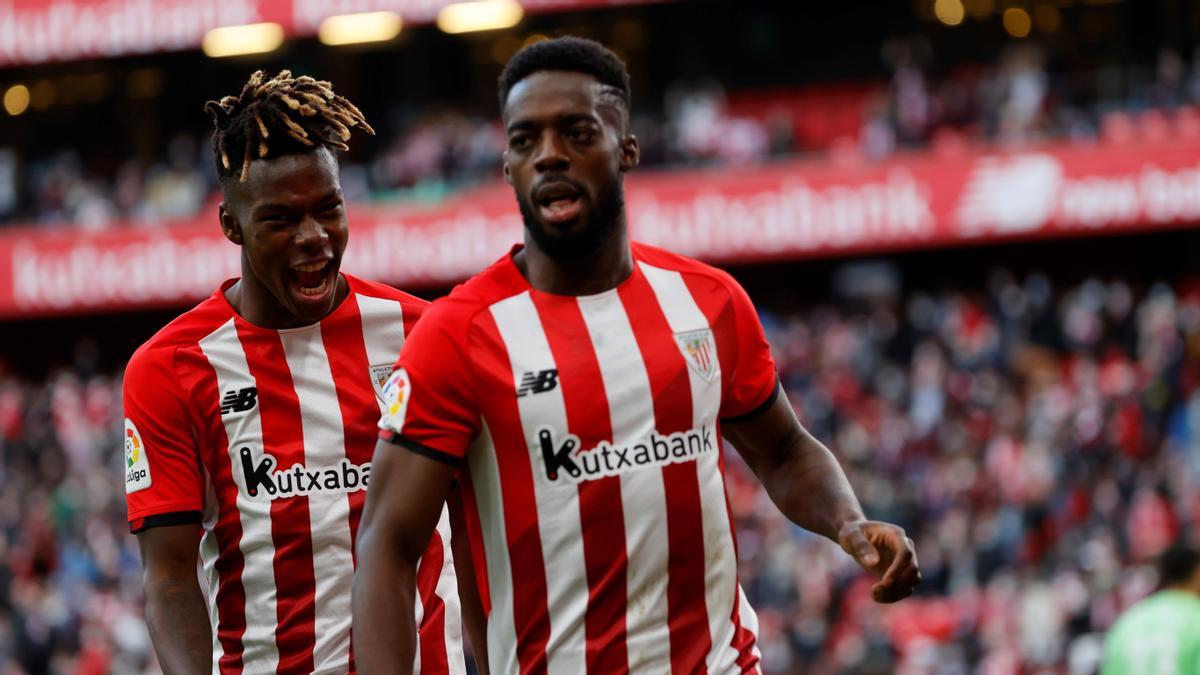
(286, 421)
(598, 477)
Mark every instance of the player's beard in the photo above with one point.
(601, 223)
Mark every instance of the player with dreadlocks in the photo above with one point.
(250, 419)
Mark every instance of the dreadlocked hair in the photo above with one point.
(277, 116)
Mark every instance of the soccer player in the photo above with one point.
(1161, 634)
(250, 419)
(579, 389)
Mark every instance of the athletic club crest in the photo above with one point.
(700, 351)
(379, 377)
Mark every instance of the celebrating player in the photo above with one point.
(250, 419)
(580, 387)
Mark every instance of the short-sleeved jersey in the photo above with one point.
(1160, 634)
(587, 429)
(265, 437)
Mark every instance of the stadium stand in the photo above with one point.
(1037, 431)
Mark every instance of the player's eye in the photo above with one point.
(331, 208)
(520, 142)
(580, 134)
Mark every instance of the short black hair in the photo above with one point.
(279, 115)
(568, 53)
(1177, 564)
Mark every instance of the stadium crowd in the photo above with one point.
(427, 152)
(1041, 445)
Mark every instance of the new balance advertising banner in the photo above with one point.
(784, 211)
(36, 31)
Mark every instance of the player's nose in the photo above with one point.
(551, 153)
(310, 234)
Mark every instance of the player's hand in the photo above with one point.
(885, 551)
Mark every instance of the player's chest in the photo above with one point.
(602, 369)
(288, 401)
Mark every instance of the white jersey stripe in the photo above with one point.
(383, 330)
(684, 315)
(749, 621)
(557, 502)
(485, 481)
(210, 550)
(224, 352)
(643, 498)
(328, 511)
(447, 590)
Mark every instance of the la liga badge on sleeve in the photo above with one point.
(137, 467)
(395, 399)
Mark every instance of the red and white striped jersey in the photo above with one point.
(265, 437)
(588, 428)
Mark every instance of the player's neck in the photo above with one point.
(602, 270)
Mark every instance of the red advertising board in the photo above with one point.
(784, 211)
(37, 31)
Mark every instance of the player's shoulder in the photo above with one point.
(374, 289)
(694, 270)
(459, 309)
(183, 332)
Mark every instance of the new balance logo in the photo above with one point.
(538, 382)
(564, 455)
(239, 400)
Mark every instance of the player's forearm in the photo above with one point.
(385, 632)
(177, 618)
(810, 488)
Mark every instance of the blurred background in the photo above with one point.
(969, 226)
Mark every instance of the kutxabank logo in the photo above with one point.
(563, 458)
(261, 480)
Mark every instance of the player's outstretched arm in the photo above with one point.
(808, 485)
(176, 613)
(402, 510)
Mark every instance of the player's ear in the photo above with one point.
(229, 225)
(630, 153)
(507, 170)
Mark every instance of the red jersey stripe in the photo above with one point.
(600, 507)
(744, 640)
(347, 353)
(280, 412)
(687, 620)
(531, 616)
(433, 620)
(231, 595)
(467, 520)
(258, 615)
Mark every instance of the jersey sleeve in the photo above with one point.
(754, 384)
(431, 404)
(163, 485)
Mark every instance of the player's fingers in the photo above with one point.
(889, 594)
(910, 578)
(856, 544)
(902, 558)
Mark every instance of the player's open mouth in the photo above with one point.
(312, 280)
(558, 203)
